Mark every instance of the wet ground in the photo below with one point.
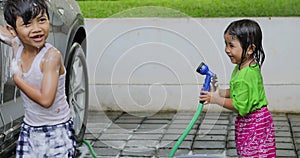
(121, 134)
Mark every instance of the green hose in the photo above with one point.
(90, 148)
(187, 130)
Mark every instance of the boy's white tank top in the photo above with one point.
(35, 114)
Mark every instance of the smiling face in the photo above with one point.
(34, 33)
(233, 48)
(234, 51)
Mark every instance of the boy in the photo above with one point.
(39, 72)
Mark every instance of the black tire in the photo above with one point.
(77, 90)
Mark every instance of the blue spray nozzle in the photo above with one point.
(204, 70)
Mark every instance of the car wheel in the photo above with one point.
(77, 90)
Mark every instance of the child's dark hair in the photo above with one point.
(26, 9)
(248, 32)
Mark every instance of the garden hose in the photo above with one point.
(187, 130)
(90, 148)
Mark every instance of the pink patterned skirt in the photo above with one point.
(255, 135)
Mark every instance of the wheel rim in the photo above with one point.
(77, 90)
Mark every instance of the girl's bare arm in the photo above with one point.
(220, 97)
(224, 93)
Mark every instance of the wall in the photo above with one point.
(149, 64)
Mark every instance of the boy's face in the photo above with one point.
(35, 33)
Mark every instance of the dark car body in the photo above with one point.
(68, 34)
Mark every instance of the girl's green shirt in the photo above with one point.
(247, 90)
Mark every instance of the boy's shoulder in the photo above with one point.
(52, 52)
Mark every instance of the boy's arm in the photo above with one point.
(46, 94)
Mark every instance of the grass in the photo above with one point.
(192, 8)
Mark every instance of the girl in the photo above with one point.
(254, 128)
(39, 72)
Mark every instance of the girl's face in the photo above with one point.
(35, 33)
(233, 48)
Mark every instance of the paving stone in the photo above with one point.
(155, 136)
(149, 131)
(129, 126)
(209, 145)
(280, 118)
(296, 134)
(114, 136)
(283, 134)
(118, 130)
(284, 140)
(128, 121)
(215, 122)
(176, 131)
(169, 144)
(152, 126)
(94, 130)
(142, 143)
(214, 127)
(297, 145)
(293, 117)
(285, 153)
(185, 122)
(296, 128)
(106, 151)
(138, 152)
(212, 132)
(162, 115)
(117, 144)
(218, 116)
(209, 152)
(91, 136)
(96, 117)
(175, 137)
(152, 121)
(146, 136)
(297, 140)
(210, 138)
(164, 153)
(231, 153)
(282, 128)
(230, 138)
(295, 123)
(231, 144)
(284, 146)
(281, 123)
(181, 126)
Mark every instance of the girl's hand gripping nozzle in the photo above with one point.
(210, 77)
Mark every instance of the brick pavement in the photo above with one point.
(119, 134)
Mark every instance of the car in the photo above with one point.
(67, 34)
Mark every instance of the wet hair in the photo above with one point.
(26, 9)
(248, 32)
